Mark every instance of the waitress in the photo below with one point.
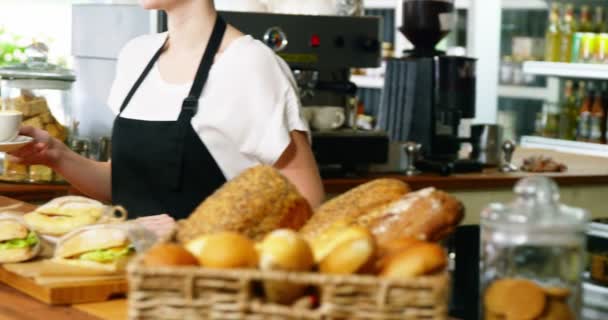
(194, 106)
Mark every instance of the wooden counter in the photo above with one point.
(582, 170)
(33, 193)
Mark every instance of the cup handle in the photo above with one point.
(340, 119)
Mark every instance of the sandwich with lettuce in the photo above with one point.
(104, 249)
(17, 242)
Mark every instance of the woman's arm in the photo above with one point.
(89, 177)
(298, 164)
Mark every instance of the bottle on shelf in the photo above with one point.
(584, 115)
(568, 113)
(596, 134)
(553, 35)
(599, 25)
(585, 23)
(568, 27)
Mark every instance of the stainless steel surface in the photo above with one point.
(486, 143)
(412, 150)
(508, 148)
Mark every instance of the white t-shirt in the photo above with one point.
(247, 109)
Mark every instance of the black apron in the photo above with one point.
(163, 166)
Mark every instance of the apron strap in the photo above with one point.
(190, 104)
(142, 77)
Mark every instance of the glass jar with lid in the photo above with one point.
(532, 255)
(42, 92)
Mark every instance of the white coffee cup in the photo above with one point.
(10, 122)
(328, 118)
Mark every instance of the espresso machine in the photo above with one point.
(321, 50)
(438, 91)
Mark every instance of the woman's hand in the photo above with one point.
(44, 149)
(161, 225)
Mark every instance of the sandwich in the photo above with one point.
(98, 250)
(65, 214)
(17, 242)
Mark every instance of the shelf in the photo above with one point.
(392, 4)
(380, 4)
(521, 92)
(568, 70)
(524, 4)
(582, 148)
(368, 82)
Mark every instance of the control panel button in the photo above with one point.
(315, 41)
(276, 39)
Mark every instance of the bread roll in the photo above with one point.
(418, 260)
(350, 256)
(325, 243)
(12, 229)
(224, 250)
(346, 208)
(427, 214)
(284, 250)
(18, 254)
(17, 242)
(255, 203)
(169, 255)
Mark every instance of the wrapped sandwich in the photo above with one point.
(100, 249)
(65, 214)
(17, 242)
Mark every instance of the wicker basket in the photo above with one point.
(198, 293)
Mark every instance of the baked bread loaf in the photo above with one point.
(428, 214)
(224, 250)
(254, 203)
(346, 208)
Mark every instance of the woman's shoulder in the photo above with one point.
(249, 54)
(142, 48)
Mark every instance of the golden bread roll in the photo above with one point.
(428, 214)
(346, 208)
(350, 256)
(284, 250)
(169, 255)
(224, 250)
(254, 203)
(323, 244)
(421, 259)
(392, 248)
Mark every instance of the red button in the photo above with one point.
(315, 41)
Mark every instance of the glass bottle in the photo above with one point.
(532, 254)
(596, 134)
(567, 29)
(599, 24)
(585, 22)
(568, 113)
(582, 132)
(552, 35)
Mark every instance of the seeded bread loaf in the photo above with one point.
(254, 203)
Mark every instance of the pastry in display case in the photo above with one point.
(42, 93)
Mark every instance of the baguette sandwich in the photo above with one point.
(17, 242)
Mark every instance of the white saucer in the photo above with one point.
(15, 144)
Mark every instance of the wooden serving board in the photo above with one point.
(65, 290)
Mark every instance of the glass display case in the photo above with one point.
(42, 93)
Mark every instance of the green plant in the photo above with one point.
(10, 50)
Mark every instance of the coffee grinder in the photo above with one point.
(440, 90)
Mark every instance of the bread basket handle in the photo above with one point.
(116, 213)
